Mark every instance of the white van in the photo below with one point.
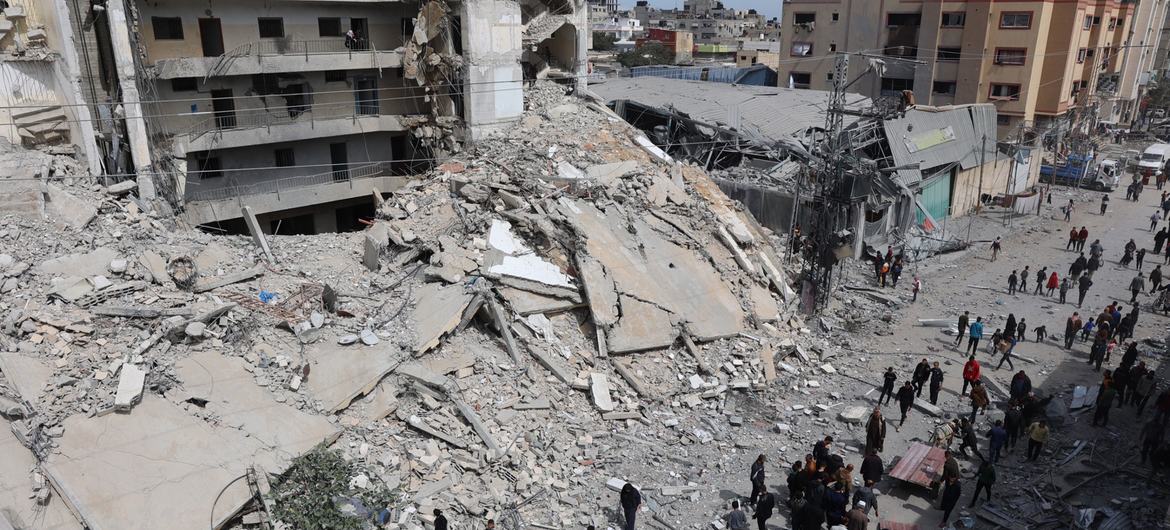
(1153, 160)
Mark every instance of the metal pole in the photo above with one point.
(979, 195)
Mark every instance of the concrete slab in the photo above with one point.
(160, 467)
(437, 310)
(223, 382)
(155, 264)
(764, 307)
(599, 387)
(339, 374)
(15, 486)
(642, 327)
(646, 266)
(599, 290)
(512, 257)
(27, 375)
(130, 385)
(82, 264)
(66, 209)
(529, 303)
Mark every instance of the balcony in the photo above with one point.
(227, 129)
(279, 55)
(205, 205)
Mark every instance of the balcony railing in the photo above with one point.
(278, 186)
(269, 47)
(264, 118)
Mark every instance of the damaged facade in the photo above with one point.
(303, 110)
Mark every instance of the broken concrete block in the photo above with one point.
(118, 266)
(853, 414)
(696, 381)
(130, 386)
(122, 188)
(369, 338)
(600, 389)
(615, 484)
(195, 329)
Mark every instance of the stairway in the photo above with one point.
(42, 125)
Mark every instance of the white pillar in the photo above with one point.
(128, 81)
(492, 44)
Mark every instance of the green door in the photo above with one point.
(936, 197)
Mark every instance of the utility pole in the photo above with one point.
(979, 196)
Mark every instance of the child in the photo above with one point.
(1109, 349)
(993, 346)
(1087, 330)
(1041, 333)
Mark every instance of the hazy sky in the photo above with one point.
(770, 8)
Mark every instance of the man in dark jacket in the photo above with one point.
(964, 321)
(986, 477)
(998, 436)
(888, 379)
(905, 401)
(764, 508)
(1151, 438)
(1104, 403)
(836, 504)
(872, 467)
(757, 477)
(1083, 285)
(796, 481)
(631, 500)
(936, 381)
(950, 498)
(969, 439)
(1071, 327)
(1013, 423)
(822, 450)
(921, 374)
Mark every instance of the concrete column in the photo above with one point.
(859, 228)
(69, 75)
(128, 81)
(492, 44)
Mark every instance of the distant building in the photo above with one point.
(680, 43)
(745, 58)
(1035, 60)
(624, 30)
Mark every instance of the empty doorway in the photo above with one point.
(211, 35)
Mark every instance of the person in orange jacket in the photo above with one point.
(970, 373)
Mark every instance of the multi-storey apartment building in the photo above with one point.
(1122, 94)
(301, 109)
(1035, 60)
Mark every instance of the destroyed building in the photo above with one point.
(927, 164)
(303, 108)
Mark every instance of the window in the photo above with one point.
(1005, 92)
(802, 49)
(1089, 52)
(284, 157)
(836, 17)
(1096, 21)
(955, 19)
(1015, 20)
(1011, 56)
(271, 27)
(208, 167)
(833, 47)
(804, 18)
(1112, 23)
(335, 76)
(167, 28)
(1088, 21)
(949, 54)
(1081, 54)
(329, 27)
(829, 76)
(799, 80)
(1000, 119)
(946, 88)
(184, 84)
(903, 19)
(891, 84)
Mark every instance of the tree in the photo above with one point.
(650, 53)
(603, 41)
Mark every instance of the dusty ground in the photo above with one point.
(1038, 242)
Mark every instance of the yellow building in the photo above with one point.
(1035, 60)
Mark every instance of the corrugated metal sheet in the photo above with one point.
(771, 111)
(925, 126)
(758, 75)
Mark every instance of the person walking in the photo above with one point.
(1159, 240)
(1013, 423)
(865, 497)
(985, 477)
(1151, 438)
(1136, 286)
(950, 498)
(1139, 258)
(1104, 203)
(997, 438)
(1104, 403)
(872, 468)
(964, 320)
(875, 432)
(736, 520)
(1083, 285)
(936, 381)
(1064, 286)
(1020, 387)
(969, 439)
(995, 248)
(1143, 391)
(764, 508)
(1037, 437)
(1007, 356)
(1053, 282)
(1071, 327)
(1041, 276)
(921, 375)
(441, 520)
(1009, 326)
(970, 373)
(1024, 274)
(1013, 281)
(757, 477)
(1082, 238)
(915, 287)
(1021, 329)
(979, 399)
(1068, 210)
(857, 519)
(905, 401)
(1087, 329)
(1155, 278)
(1154, 218)
(888, 380)
(631, 500)
(1072, 237)
(974, 334)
